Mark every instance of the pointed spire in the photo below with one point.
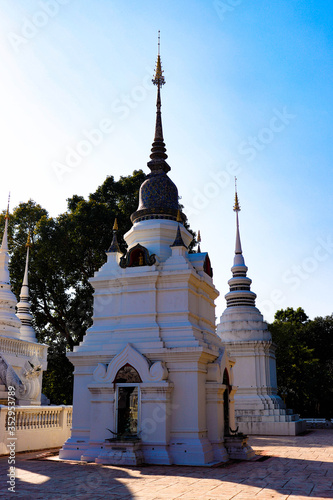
(239, 259)
(4, 256)
(178, 240)
(23, 307)
(158, 150)
(4, 245)
(240, 292)
(236, 205)
(159, 79)
(114, 247)
(158, 195)
(9, 323)
(28, 246)
(199, 241)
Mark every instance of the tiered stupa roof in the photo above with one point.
(240, 285)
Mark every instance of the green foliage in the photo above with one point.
(290, 316)
(304, 355)
(58, 379)
(319, 336)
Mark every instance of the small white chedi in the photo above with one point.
(258, 408)
(153, 382)
(22, 358)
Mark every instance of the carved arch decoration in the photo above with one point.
(137, 256)
(148, 373)
(127, 374)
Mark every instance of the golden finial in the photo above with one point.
(179, 219)
(158, 77)
(28, 243)
(236, 206)
(7, 212)
(115, 225)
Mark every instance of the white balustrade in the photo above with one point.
(36, 427)
(23, 348)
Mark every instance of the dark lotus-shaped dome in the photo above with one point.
(158, 198)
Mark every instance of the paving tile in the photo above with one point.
(322, 494)
(145, 496)
(245, 496)
(266, 495)
(323, 485)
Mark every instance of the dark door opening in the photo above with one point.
(127, 410)
(226, 403)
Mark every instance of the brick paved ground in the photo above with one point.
(296, 468)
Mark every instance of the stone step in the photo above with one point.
(249, 419)
(267, 418)
(273, 412)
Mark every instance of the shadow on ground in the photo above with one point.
(51, 480)
(276, 474)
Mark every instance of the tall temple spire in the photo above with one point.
(239, 259)
(240, 292)
(9, 323)
(158, 150)
(158, 196)
(23, 307)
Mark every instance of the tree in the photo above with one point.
(304, 357)
(290, 316)
(319, 337)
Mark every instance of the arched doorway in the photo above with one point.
(127, 383)
(226, 403)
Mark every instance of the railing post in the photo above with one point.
(3, 440)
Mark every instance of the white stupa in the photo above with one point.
(9, 323)
(258, 408)
(22, 359)
(151, 367)
(23, 307)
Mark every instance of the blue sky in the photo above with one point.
(248, 92)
